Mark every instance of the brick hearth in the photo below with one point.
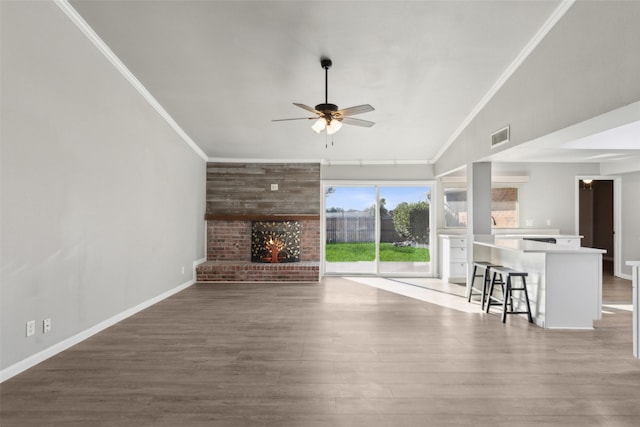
(239, 271)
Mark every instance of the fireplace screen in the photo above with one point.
(275, 241)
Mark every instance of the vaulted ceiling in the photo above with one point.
(225, 69)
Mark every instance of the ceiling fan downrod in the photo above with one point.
(326, 108)
(326, 64)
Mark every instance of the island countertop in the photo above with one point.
(531, 246)
(536, 236)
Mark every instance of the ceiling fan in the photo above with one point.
(328, 116)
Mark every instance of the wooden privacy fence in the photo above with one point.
(354, 229)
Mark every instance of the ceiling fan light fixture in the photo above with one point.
(330, 117)
(319, 125)
(334, 127)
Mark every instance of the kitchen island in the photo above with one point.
(564, 281)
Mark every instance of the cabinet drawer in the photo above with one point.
(458, 242)
(458, 269)
(458, 254)
(568, 242)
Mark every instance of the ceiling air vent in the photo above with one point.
(500, 137)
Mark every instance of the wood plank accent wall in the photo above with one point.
(244, 190)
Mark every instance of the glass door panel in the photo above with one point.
(350, 231)
(404, 230)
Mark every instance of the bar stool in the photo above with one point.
(507, 291)
(486, 266)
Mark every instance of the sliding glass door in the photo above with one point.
(377, 229)
(404, 230)
(350, 229)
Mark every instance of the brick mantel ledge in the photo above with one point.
(256, 217)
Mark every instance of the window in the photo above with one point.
(505, 212)
(455, 207)
(504, 207)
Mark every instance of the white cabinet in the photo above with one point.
(635, 275)
(454, 258)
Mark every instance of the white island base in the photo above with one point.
(564, 282)
(635, 265)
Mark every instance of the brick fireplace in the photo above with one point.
(241, 193)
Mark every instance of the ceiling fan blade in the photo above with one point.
(358, 109)
(356, 122)
(306, 107)
(299, 118)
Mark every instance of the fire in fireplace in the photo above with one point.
(275, 241)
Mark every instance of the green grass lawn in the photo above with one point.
(350, 252)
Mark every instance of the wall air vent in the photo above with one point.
(500, 137)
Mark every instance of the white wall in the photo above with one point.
(587, 65)
(102, 203)
(399, 172)
(548, 198)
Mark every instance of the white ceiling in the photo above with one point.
(224, 69)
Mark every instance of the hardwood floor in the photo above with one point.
(338, 353)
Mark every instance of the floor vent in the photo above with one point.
(500, 137)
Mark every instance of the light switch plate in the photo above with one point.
(31, 327)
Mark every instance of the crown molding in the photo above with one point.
(75, 17)
(323, 162)
(247, 160)
(330, 163)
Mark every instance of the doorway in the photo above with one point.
(377, 229)
(597, 218)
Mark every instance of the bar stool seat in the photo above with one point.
(486, 267)
(507, 291)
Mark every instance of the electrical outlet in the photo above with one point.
(183, 269)
(31, 328)
(46, 326)
(274, 187)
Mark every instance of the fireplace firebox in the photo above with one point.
(275, 241)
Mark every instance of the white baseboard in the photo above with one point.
(625, 276)
(33, 360)
(196, 263)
